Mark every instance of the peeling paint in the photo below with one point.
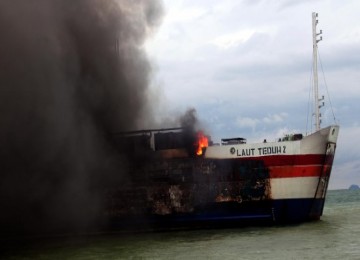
(188, 185)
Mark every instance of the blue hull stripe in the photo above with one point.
(271, 211)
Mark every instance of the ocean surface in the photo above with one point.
(335, 236)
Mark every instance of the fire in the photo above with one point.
(202, 141)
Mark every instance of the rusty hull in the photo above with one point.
(173, 185)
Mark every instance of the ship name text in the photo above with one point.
(268, 150)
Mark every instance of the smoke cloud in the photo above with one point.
(71, 73)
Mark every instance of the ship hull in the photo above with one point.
(279, 182)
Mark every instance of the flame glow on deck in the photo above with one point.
(202, 141)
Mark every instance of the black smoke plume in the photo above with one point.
(71, 72)
(189, 122)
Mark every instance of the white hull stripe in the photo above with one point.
(295, 188)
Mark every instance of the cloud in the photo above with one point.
(185, 14)
(256, 57)
(247, 122)
(275, 118)
(233, 39)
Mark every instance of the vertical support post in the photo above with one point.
(315, 71)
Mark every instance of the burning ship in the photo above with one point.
(182, 177)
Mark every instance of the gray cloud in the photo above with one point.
(267, 72)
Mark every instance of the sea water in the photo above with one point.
(335, 236)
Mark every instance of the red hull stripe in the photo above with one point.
(289, 160)
(295, 171)
(287, 166)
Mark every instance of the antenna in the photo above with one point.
(315, 71)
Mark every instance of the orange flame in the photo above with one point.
(202, 141)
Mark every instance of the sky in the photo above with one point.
(245, 66)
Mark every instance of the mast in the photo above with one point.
(315, 71)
